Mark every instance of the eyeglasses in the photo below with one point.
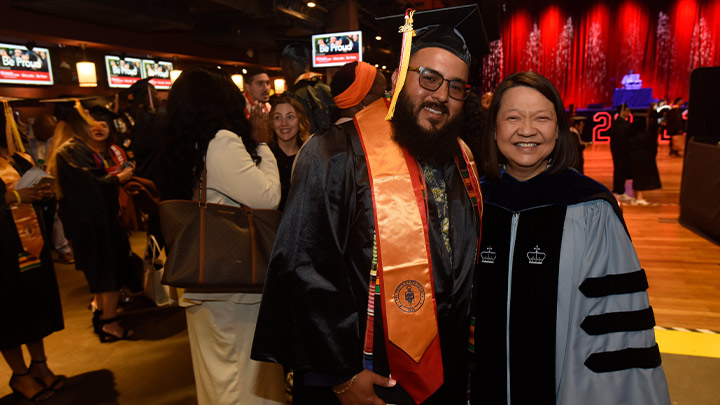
(432, 80)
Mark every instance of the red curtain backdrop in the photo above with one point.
(586, 48)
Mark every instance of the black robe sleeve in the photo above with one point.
(314, 303)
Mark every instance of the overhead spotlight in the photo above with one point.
(311, 4)
(384, 67)
(244, 71)
(376, 65)
(378, 38)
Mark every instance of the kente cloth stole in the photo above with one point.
(404, 276)
(26, 221)
(118, 158)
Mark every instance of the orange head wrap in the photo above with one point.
(364, 77)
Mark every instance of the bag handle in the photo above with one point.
(202, 204)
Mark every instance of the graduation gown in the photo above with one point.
(89, 210)
(30, 306)
(560, 299)
(314, 308)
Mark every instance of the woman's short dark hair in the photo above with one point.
(564, 154)
(202, 101)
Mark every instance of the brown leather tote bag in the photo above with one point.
(215, 247)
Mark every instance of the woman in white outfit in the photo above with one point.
(206, 124)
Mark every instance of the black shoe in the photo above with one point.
(41, 395)
(56, 385)
(97, 321)
(106, 337)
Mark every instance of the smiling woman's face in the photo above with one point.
(285, 122)
(526, 131)
(100, 131)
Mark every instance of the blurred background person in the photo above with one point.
(306, 87)
(207, 129)
(290, 128)
(577, 125)
(43, 129)
(89, 170)
(144, 108)
(29, 296)
(257, 89)
(675, 127)
(619, 134)
(355, 85)
(474, 125)
(642, 147)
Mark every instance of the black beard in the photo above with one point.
(433, 146)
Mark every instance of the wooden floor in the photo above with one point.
(683, 268)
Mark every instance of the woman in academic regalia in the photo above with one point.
(90, 170)
(30, 308)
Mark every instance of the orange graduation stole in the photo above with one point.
(404, 265)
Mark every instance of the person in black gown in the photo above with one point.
(29, 297)
(90, 170)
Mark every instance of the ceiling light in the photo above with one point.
(86, 71)
(86, 74)
(310, 4)
(377, 38)
(238, 79)
(279, 86)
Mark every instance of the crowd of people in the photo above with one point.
(424, 236)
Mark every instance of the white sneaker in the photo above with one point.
(623, 197)
(639, 202)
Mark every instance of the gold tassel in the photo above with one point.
(12, 134)
(78, 106)
(408, 33)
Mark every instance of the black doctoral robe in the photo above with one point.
(314, 307)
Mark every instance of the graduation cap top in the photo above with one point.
(63, 107)
(459, 30)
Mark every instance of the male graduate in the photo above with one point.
(368, 286)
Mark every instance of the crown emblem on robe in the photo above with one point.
(536, 256)
(488, 256)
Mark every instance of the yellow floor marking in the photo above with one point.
(688, 343)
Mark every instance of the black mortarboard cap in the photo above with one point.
(100, 113)
(139, 88)
(459, 30)
(64, 105)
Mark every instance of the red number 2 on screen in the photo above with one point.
(603, 120)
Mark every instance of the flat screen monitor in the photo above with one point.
(122, 73)
(336, 49)
(158, 72)
(18, 65)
